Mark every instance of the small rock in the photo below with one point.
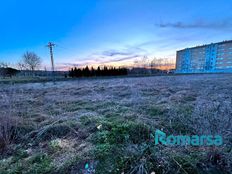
(99, 127)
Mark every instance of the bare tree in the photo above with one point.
(21, 66)
(145, 62)
(30, 61)
(162, 63)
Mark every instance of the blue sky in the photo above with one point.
(117, 32)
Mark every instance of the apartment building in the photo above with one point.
(210, 58)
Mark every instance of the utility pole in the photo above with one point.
(50, 46)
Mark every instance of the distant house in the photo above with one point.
(211, 58)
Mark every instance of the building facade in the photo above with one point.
(211, 58)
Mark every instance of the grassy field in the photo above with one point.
(105, 125)
(16, 80)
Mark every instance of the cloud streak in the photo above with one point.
(122, 59)
(110, 56)
(113, 53)
(216, 25)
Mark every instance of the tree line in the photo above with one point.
(91, 72)
(31, 62)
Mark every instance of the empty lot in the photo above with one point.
(104, 125)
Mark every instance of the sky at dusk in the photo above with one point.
(115, 32)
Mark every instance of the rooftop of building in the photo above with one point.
(199, 46)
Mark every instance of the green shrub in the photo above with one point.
(20, 154)
(114, 145)
(38, 163)
(122, 132)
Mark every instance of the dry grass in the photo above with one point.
(35, 115)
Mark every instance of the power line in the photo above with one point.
(50, 46)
